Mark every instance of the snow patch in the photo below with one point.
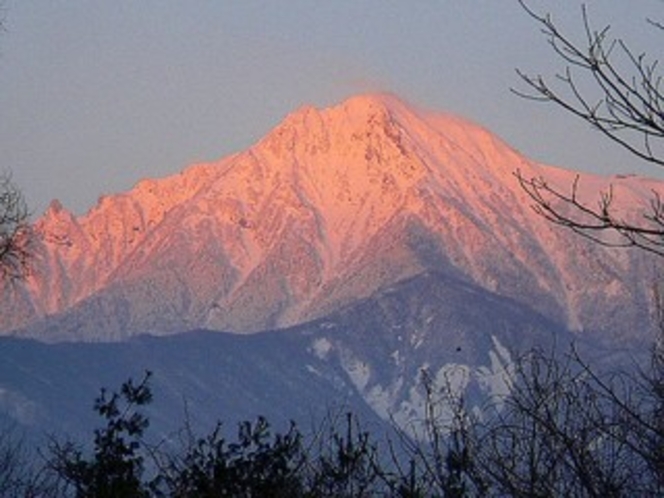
(321, 348)
(497, 380)
(436, 393)
(358, 371)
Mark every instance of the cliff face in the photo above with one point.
(330, 208)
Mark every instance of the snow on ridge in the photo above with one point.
(432, 389)
(327, 183)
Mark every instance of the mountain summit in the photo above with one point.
(330, 208)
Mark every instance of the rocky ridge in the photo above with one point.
(331, 207)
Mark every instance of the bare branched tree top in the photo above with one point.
(618, 92)
(16, 236)
(606, 84)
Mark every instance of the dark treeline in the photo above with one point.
(564, 430)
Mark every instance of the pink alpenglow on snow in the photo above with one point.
(332, 206)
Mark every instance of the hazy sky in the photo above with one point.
(97, 94)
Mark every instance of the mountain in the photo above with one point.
(331, 207)
(343, 258)
(369, 359)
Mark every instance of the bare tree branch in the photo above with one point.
(16, 235)
(619, 93)
(598, 223)
(630, 107)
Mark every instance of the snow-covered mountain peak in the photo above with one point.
(54, 209)
(330, 207)
(55, 223)
(391, 131)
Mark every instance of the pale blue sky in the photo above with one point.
(97, 94)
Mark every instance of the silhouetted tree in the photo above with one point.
(566, 430)
(617, 439)
(116, 466)
(441, 448)
(21, 474)
(15, 232)
(256, 464)
(17, 475)
(346, 463)
(618, 92)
